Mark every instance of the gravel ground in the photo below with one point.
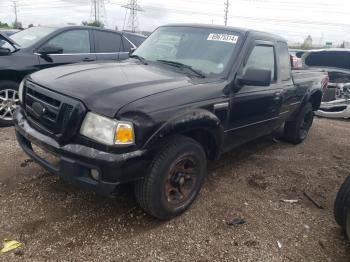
(58, 222)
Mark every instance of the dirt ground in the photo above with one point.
(57, 222)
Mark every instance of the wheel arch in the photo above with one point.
(10, 75)
(315, 99)
(200, 125)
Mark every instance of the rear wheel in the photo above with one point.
(9, 100)
(297, 130)
(174, 178)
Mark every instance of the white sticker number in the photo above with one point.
(223, 38)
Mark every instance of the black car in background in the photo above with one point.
(41, 47)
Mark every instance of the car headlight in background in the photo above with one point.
(20, 91)
(107, 131)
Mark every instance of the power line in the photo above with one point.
(133, 7)
(227, 4)
(15, 10)
(98, 11)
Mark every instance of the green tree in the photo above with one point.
(4, 25)
(94, 23)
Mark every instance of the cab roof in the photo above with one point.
(230, 28)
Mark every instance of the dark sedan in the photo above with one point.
(38, 48)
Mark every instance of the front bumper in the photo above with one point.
(76, 161)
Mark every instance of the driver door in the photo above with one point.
(254, 109)
(76, 45)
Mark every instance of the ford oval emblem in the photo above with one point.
(38, 109)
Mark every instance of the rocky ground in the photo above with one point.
(58, 222)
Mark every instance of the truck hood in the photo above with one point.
(108, 86)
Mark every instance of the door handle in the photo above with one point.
(87, 59)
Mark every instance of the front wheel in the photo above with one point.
(9, 100)
(297, 130)
(174, 178)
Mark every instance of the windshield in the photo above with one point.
(28, 37)
(203, 49)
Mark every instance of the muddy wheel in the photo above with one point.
(9, 101)
(296, 131)
(174, 178)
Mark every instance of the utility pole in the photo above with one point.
(95, 9)
(15, 10)
(227, 4)
(134, 8)
(98, 11)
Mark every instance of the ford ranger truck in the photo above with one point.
(188, 94)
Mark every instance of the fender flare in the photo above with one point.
(310, 94)
(195, 119)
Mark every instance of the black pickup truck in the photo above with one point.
(188, 94)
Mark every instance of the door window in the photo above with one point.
(72, 42)
(107, 42)
(262, 57)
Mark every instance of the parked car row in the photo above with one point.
(41, 47)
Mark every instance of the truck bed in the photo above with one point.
(305, 74)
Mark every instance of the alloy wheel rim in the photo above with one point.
(181, 181)
(9, 100)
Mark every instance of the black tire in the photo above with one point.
(6, 85)
(342, 203)
(297, 130)
(159, 193)
(347, 227)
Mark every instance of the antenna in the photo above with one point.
(227, 4)
(134, 8)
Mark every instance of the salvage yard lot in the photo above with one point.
(56, 221)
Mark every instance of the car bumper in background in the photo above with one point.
(335, 109)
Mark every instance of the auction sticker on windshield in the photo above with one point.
(223, 38)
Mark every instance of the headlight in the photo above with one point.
(20, 91)
(107, 131)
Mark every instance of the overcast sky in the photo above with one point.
(326, 21)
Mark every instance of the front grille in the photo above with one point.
(51, 113)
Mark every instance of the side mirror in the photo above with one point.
(256, 77)
(50, 49)
(132, 50)
(4, 51)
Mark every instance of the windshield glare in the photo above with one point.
(28, 37)
(204, 49)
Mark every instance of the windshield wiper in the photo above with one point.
(182, 66)
(142, 60)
